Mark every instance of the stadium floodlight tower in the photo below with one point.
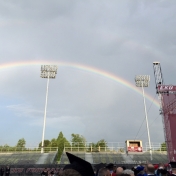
(47, 71)
(143, 81)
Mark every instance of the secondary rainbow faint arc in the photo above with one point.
(82, 67)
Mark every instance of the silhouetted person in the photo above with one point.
(45, 172)
(7, 171)
(2, 171)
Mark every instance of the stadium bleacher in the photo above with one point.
(119, 158)
(27, 158)
(64, 159)
(156, 157)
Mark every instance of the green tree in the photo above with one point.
(6, 146)
(53, 142)
(21, 143)
(60, 136)
(46, 143)
(61, 142)
(102, 144)
(163, 146)
(78, 140)
(93, 147)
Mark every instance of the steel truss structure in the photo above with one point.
(167, 97)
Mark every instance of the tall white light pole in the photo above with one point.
(47, 71)
(143, 81)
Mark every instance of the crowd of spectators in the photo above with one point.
(80, 167)
(140, 170)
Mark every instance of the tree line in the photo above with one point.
(77, 141)
(60, 142)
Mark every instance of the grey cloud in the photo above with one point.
(40, 10)
(25, 111)
(120, 37)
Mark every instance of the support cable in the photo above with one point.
(150, 125)
(144, 117)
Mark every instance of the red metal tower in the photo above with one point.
(167, 97)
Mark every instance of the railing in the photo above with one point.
(118, 147)
(27, 149)
(94, 149)
(87, 147)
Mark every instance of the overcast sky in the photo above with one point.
(120, 37)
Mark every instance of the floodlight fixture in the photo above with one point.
(143, 81)
(156, 63)
(47, 71)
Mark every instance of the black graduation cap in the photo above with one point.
(173, 164)
(80, 165)
(124, 168)
(110, 166)
(163, 171)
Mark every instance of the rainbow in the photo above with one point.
(81, 67)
